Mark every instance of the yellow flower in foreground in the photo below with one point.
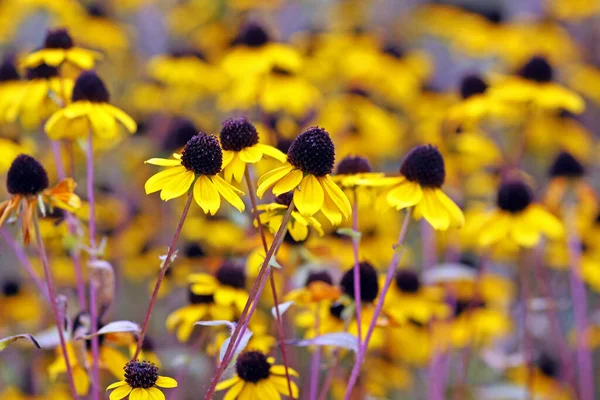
(88, 111)
(140, 383)
(257, 378)
(310, 160)
(423, 174)
(198, 165)
(239, 139)
(518, 218)
(59, 48)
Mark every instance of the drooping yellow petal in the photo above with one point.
(248, 392)
(271, 152)
(547, 222)
(103, 124)
(270, 178)
(155, 394)
(495, 228)
(166, 382)
(235, 390)
(288, 182)
(207, 195)
(82, 381)
(227, 383)
(457, 218)
(265, 390)
(116, 385)
(250, 155)
(336, 194)
(433, 210)
(227, 157)
(228, 192)
(122, 117)
(309, 196)
(120, 392)
(178, 186)
(163, 162)
(138, 394)
(160, 180)
(406, 194)
(280, 383)
(331, 211)
(280, 370)
(237, 168)
(52, 125)
(523, 232)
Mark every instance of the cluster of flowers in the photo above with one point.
(331, 201)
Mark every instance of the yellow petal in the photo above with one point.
(524, 232)
(495, 228)
(228, 192)
(250, 155)
(265, 390)
(122, 117)
(207, 195)
(280, 383)
(235, 390)
(270, 178)
(227, 157)
(336, 194)
(103, 124)
(288, 182)
(280, 370)
(227, 383)
(166, 382)
(248, 392)
(271, 152)
(116, 385)
(177, 186)
(163, 162)
(331, 211)
(433, 210)
(309, 196)
(160, 180)
(138, 394)
(120, 392)
(53, 123)
(457, 217)
(237, 168)
(82, 381)
(155, 394)
(406, 194)
(114, 361)
(547, 222)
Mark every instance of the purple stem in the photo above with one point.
(92, 288)
(315, 362)
(578, 293)
(357, 297)
(398, 253)
(24, 261)
(72, 225)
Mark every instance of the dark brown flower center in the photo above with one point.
(312, 152)
(26, 176)
(141, 374)
(424, 165)
(252, 366)
(203, 155)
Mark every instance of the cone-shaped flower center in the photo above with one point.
(312, 152)
(253, 35)
(203, 155)
(424, 165)
(514, 196)
(548, 365)
(472, 85)
(566, 165)
(237, 134)
(42, 71)
(319, 276)
(140, 374)
(11, 288)
(231, 274)
(58, 39)
(90, 87)
(369, 284)
(351, 165)
(26, 176)
(537, 69)
(407, 281)
(252, 366)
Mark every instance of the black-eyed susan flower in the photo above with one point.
(354, 172)
(419, 186)
(39, 97)
(257, 378)
(202, 306)
(227, 286)
(409, 300)
(272, 215)
(89, 111)
(518, 218)
(544, 380)
(19, 304)
(27, 183)
(198, 165)
(536, 85)
(59, 48)
(318, 286)
(141, 382)
(566, 172)
(307, 171)
(239, 140)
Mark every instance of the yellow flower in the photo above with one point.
(257, 378)
(354, 172)
(239, 139)
(317, 287)
(39, 97)
(285, 91)
(198, 165)
(419, 186)
(58, 49)
(19, 304)
(310, 160)
(536, 86)
(227, 287)
(141, 382)
(567, 183)
(518, 218)
(27, 182)
(272, 216)
(88, 112)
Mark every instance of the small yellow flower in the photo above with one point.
(272, 216)
(239, 139)
(141, 382)
(227, 287)
(310, 160)
(198, 165)
(89, 111)
(58, 49)
(419, 186)
(257, 378)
